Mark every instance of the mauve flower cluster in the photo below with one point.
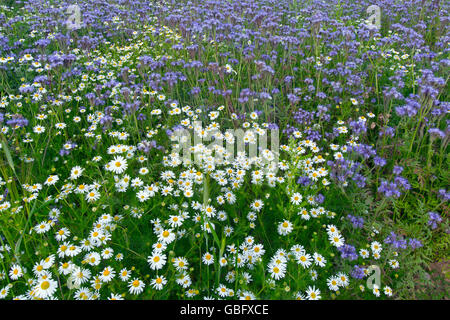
(394, 188)
(434, 219)
(348, 252)
(357, 222)
(358, 272)
(399, 242)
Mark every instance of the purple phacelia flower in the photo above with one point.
(434, 219)
(348, 252)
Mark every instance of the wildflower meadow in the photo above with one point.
(222, 149)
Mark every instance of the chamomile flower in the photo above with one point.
(114, 296)
(45, 288)
(296, 198)
(15, 272)
(76, 172)
(166, 236)
(92, 196)
(118, 165)
(277, 271)
(107, 274)
(343, 279)
(124, 274)
(376, 247)
(387, 291)
(312, 293)
(246, 295)
(394, 264)
(333, 283)
(158, 283)
(364, 253)
(285, 227)
(299, 296)
(208, 258)
(257, 205)
(42, 227)
(319, 260)
(4, 292)
(336, 239)
(376, 290)
(51, 180)
(39, 268)
(304, 260)
(80, 275)
(65, 268)
(62, 234)
(107, 253)
(180, 263)
(157, 261)
(222, 290)
(136, 286)
(93, 258)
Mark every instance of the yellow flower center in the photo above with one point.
(45, 285)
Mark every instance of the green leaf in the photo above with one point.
(8, 156)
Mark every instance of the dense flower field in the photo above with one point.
(252, 149)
